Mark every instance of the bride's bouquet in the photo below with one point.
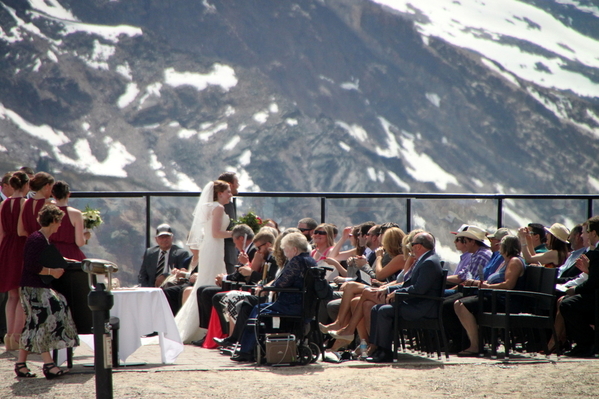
(91, 218)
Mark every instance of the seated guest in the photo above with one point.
(496, 258)
(507, 277)
(295, 247)
(49, 324)
(475, 242)
(464, 262)
(307, 226)
(568, 271)
(263, 269)
(323, 239)
(244, 308)
(425, 278)
(578, 307)
(537, 237)
(556, 238)
(242, 236)
(158, 261)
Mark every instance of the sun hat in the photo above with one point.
(559, 231)
(475, 233)
(462, 227)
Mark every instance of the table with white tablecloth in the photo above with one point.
(142, 311)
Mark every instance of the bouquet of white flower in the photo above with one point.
(91, 218)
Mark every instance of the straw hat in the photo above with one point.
(475, 233)
(462, 227)
(559, 231)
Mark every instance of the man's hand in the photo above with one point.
(582, 264)
(219, 279)
(159, 280)
(245, 271)
(243, 258)
(193, 278)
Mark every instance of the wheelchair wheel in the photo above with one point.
(315, 351)
(305, 355)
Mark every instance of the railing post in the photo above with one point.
(323, 209)
(148, 221)
(499, 213)
(408, 214)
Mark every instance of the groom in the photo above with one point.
(231, 210)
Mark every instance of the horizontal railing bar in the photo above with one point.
(140, 194)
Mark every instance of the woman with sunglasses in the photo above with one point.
(324, 240)
(557, 243)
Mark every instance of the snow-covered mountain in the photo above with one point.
(335, 95)
(312, 95)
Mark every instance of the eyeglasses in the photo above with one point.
(459, 239)
(261, 245)
(320, 233)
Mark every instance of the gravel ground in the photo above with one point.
(478, 379)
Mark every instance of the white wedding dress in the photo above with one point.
(211, 261)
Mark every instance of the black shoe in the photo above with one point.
(199, 342)
(381, 356)
(243, 357)
(155, 333)
(581, 351)
(224, 342)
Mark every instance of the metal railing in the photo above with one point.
(325, 198)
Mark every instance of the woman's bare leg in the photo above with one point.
(351, 290)
(469, 323)
(186, 294)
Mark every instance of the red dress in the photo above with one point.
(64, 238)
(31, 209)
(11, 248)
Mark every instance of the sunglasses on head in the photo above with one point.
(320, 233)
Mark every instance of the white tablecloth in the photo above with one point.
(142, 311)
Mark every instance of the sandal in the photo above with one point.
(49, 366)
(19, 373)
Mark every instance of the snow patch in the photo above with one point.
(400, 183)
(291, 121)
(261, 117)
(100, 55)
(354, 84)
(356, 131)
(434, 99)
(128, 96)
(594, 183)
(124, 70)
(273, 108)
(245, 158)
(54, 137)
(422, 168)
(232, 143)
(392, 148)
(182, 182)
(53, 9)
(221, 75)
(344, 146)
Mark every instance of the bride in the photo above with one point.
(206, 240)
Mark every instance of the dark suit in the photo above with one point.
(579, 310)
(230, 250)
(147, 273)
(425, 280)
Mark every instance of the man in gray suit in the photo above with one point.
(231, 210)
(425, 280)
(159, 261)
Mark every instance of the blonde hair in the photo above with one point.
(393, 240)
(330, 233)
(407, 246)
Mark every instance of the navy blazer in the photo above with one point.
(147, 274)
(426, 279)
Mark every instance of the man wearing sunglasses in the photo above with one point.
(307, 226)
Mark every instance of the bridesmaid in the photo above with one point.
(70, 235)
(41, 184)
(11, 257)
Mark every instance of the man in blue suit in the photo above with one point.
(425, 280)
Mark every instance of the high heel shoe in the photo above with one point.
(49, 375)
(323, 329)
(19, 373)
(347, 337)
